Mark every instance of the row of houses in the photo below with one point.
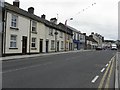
(26, 33)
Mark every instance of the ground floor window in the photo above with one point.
(13, 41)
(52, 44)
(33, 43)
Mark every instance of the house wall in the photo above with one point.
(23, 25)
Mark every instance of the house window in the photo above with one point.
(51, 32)
(13, 41)
(34, 26)
(61, 34)
(33, 42)
(14, 21)
(52, 44)
(62, 46)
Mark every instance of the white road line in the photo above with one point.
(102, 70)
(93, 81)
(106, 65)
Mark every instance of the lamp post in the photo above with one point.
(66, 32)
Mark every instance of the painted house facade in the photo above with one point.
(26, 33)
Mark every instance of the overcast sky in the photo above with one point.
(100, 18)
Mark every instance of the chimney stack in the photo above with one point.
(84, 34)
(16, 3)
(53, 20)
(31, 10)
(43, 16)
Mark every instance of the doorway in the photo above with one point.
(58, 46)
(41, 45)
(24, 45)
(47, 43)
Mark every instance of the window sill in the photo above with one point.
(13, 48)
(33, 48)
(52, 48)
(51, 34)
(34, 32)
(14, 28)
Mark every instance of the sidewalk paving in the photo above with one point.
(37, 55)
(119, 68)
(117, 72)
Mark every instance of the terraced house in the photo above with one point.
(26, 33)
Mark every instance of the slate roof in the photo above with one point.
(9, 7)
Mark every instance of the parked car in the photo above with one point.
(114, 47)
(99, 48)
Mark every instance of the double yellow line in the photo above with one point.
(109, 73)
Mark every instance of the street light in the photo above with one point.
(66, 31)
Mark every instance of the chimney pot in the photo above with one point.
(43, 16)
(16, 3)
(31, 10)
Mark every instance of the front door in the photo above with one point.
(47, 43)
(24, 45)
(41, 45)
(58, 46)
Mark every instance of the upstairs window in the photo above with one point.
(34, 26)
(14, 21)
(61, 34)
(51, 32)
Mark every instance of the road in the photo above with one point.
(70, 70)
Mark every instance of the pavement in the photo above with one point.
(37, 55)
(68, 70)
(117, 71)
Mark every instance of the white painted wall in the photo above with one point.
(23, 25)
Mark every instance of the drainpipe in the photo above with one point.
(30, 37)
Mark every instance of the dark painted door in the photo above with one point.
(47, 42)
(41, 45)
(57, 46)
(24, 45)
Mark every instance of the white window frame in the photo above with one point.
(14, 21)
(34, 26)
(61, 34)
(33, 42)
(51, 31)
(52, 44)
(13, 41)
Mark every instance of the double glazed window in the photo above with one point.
(14, 21)
(33, 43)
(61, 34)
(34, 26)
(13, 41)
(52, 44)
(51, 32)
